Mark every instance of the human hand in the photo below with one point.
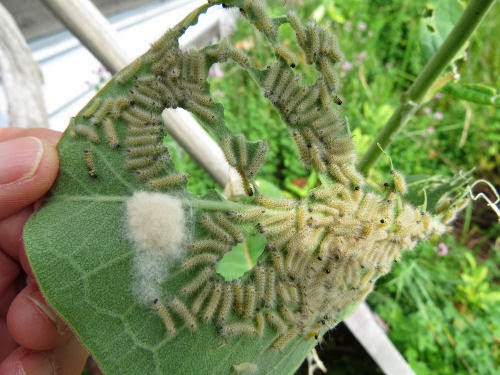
(33, 339)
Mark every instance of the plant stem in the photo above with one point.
(472, 16)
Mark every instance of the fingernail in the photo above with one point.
(37, 299)
(36, 363)
(19, 159)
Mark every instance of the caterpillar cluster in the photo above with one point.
(322, 256)
(164, 77)
(324, 252)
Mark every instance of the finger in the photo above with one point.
(8, 344)
(6, 299)
(11, 232)
(32, 323)
(9, 270)
(68, 359)
(51, 136)
(28, 170)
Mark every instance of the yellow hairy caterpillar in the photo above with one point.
(227, 304)
(181, 309)
(278, 262)
(142, 140)
(285, 338)
(200, 259)
(250, 302)
(147, 150)
(198, 281)
(399, 182)
(102, 111)
(126, 74)
(229, 227)
(164, 314)
(146, 101)
(89, 163)
(294, 21)
(262, 20)
(119, 104)
(260, 323)
(258, 158)
(209, 244)
(275, 203)
(235, 329)
(216, 230)
(260, 282)
(87, 132)
(137, 131)
(248, 215)
(313, 42)
(276, 321)
(272, 76)
(146, 116)
(203, 112)
(270, 292)
(201, 298)
(167, 181)
(110, 133)
(238, 296)
(91, 107)
(139, 162)
(213, 303)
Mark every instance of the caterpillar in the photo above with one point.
(263, 21)
(87, 132)
(238, 296)
(170, 180)
(247, 215)
(102, 111)
(91, 108)
(216, 230)
(212, 304)
(203, 112)
(226, 305)
(110, 133)
(209, 244)
(250, 302)
(198, 281)
(164, 314)
(147, 150)
(201, 298)
(89, 162)
(180, 308)
(276, 321)
(146, 101)
(399, 182)
(142, 140)
(285, 338)
(229, 227)
(119, 104)
(270, 292)
(294, 21)
(234, 329)
(126, 74)
(260, 323)
(200, 259)
(257, 160)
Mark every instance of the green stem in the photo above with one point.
(472, 16)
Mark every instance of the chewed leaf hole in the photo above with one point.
(242, 257)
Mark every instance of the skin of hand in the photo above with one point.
(33, 339)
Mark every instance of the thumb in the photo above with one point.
(28, 168)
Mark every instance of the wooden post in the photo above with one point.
(22, 79)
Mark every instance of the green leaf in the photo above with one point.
(434, 28)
